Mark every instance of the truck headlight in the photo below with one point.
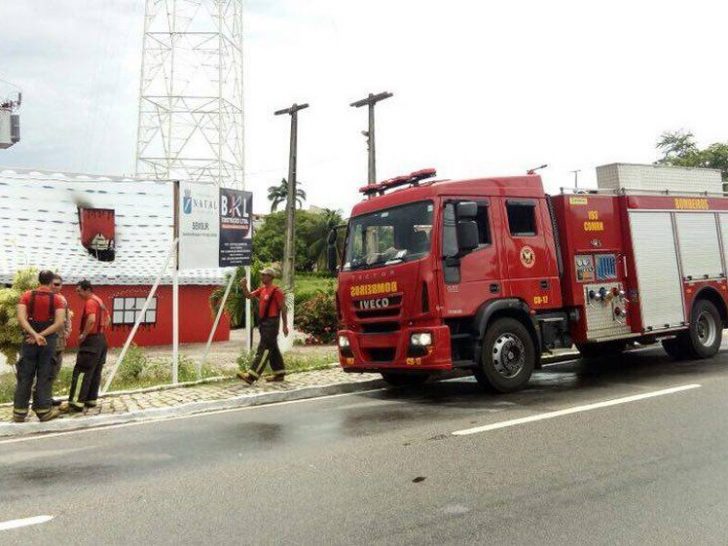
(344, 342)
(422, 339)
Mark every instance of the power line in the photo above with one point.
(11, 84)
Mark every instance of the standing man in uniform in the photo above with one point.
(92, 349)
(271, 308)
(40, 314)
(63, 335)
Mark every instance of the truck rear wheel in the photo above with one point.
(508, 358)
(405, 379)
(703, 338)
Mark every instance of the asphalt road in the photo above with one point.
(384, 467)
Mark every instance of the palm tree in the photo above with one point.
(317, 249)
(279, 194)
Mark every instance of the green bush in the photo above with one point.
(135, 361)
(7, 387)
(187, 369)
(139, 371)
(10, 334)
(317, 318)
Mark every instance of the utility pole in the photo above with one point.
(370, 101)
(576, 178)
(289, 252)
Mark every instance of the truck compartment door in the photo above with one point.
(699, 248)
(658, 275)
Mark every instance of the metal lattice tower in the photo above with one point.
(191, 92)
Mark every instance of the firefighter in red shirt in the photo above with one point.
(63, 335)
(40, 314)
(92, 349)
(271, 308)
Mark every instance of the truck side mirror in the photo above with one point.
(467, 231)
(466, 210)
(332, 258)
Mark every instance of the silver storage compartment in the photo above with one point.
(660, 286)
(659, 178)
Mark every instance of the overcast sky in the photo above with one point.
(481, 88)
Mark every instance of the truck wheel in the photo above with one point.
(508, 357)
(675, 348)
(601, 350)
(705, 332)
(405, 379)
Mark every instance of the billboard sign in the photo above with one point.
(199, 225)
(215, 226)
(236, 227)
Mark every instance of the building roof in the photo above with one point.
(39, 227)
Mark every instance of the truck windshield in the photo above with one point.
(389, 236)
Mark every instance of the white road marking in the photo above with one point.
(17, 523)
(572, 410)
(102, 428)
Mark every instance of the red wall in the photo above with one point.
(196, 317)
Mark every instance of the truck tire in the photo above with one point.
(601, 350)
(508, 357)
(704, 335)
(404, 379)
(675, 348)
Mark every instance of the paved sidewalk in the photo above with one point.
(136, 402)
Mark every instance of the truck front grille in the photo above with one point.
(392, 310)
(377, 313)
(379, 327)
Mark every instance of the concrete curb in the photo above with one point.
(13, 430)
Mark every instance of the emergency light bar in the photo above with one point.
(412, 179)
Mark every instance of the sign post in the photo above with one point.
(175, 291)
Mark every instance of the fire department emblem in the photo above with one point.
(528, 256)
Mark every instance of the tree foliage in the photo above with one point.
(679, 149)
(278, 195)
(317, 244)
(10, 334)
(312, 229)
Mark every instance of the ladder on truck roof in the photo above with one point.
(412, 179)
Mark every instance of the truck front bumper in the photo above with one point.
(395, 351)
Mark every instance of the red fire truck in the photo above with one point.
(488, 274)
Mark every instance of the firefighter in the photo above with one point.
(92, 349)
(271, 308)
(40, 315)
(63, 335)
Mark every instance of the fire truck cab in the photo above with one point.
(487, 274)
